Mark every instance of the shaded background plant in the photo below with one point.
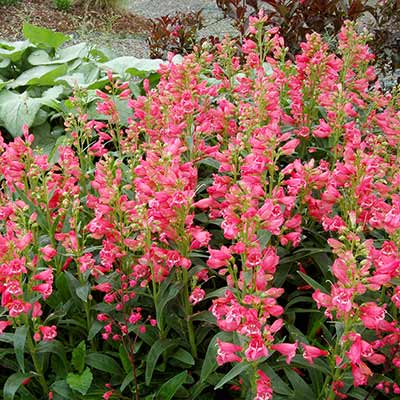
(174, 33)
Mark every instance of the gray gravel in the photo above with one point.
(214, 23)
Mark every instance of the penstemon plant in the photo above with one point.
(239, 239)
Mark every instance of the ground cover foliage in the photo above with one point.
(39, 74)
(236, 237)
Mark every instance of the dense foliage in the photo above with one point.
(37, 76)
(240, 238)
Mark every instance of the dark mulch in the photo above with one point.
(75, 20)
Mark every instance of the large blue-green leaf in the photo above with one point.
(42, 75)
(135, 66)
(43, 36)
(84, 75)
(13, 50)
(65, 55)
(17, 110)
(4, 62)
(3, 83)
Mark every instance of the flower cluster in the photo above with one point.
(235, 180)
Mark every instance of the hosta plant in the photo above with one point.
(38, 74)
(238, 240)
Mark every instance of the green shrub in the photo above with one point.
(63, 4)
(8, 2)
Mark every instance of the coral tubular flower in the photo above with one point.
(312, 352)
(286, 349)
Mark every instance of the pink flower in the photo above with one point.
(197, 295)
(311, 352)
(49, 332)
(218, 258)
(17, 307)
(135, 317)
(286, 349)
(256, 349)
(104, 287)
(3, 325)
(48, 253)
(107, 395)
(372, 315)
(36, 310)
(46, 275)
(264, 388)
(323, 130)
(289, 147)
(45, 289)
(226, 352)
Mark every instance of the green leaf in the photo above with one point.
(233, 373)
(132, 65)
(4, 63)
(149, 336)
(17, 110)
(299, 299)
(302, 390)
(83, 292)
(103, 363)
(94, 329)
(278, 384)
(19, 345)
(54, 347)
(12, 385)
(204, 316)
(62, 389)
(169, 388)
(42, 75)
(159, 347)
(7, 337)
(43, 36)
(167, 293)
(217, 293)
(197, 389)
(13, 50)
(210, 363)
(183, 356)
(314, 284)
(3, 84)
(124, 357)
(127, 380)
(81, 383)
(78, 357)
(65, 55)
(264, 237)
(46, 140)
(87, 75)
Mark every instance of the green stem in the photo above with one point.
(188, 314)
(36, 363)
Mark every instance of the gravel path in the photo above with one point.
(214, 22)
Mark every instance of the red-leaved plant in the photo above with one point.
(248, 216)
